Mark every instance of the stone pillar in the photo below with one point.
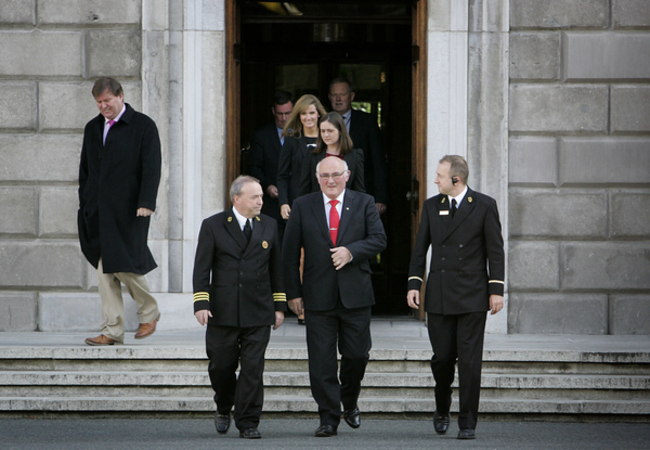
(468, 99)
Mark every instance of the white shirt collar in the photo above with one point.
(326, 199)
(241, 219)
(459, 198)
(118, 116)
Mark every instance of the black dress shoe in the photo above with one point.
(222, 423)
(441, 422)
(466, 433)
(352, 417)
(325, 431)
(250, 433)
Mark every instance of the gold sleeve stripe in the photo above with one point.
(279, 297)
(416, 278)
(199, 296)
(496, 281)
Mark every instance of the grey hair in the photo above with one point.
(345, 165)
(238, 184)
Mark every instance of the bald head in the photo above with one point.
(333, 174)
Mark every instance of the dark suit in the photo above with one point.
(115, 179)
(263, 164)
(240, 282)
(459, 285)
(354, 160)
(364, 132)
(335, 302)
(292, 154)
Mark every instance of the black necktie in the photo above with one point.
(247, 230)
(453, 207)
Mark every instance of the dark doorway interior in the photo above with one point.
(370, 44)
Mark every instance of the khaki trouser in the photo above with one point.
(110, 291)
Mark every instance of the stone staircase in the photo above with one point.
(125, 380)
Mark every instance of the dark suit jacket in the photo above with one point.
(309, 182)
(290, 167)
(115, 180)
(360, 230)
(462, 250)
(240, 282)
(364, 132)
(263, 164)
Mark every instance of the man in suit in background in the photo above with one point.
(239, 294)
(119, 175)
(265, 152)
(364, 132)
(340, 231)
(466, 279)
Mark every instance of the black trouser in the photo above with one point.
(458, 337)
(351, 328)
(227, 347)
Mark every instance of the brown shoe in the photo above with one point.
(101, 340)
(147, 329)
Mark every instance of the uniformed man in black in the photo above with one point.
(239, 294)
(465, 280)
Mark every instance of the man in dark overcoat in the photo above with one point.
(340, 231)
(466, 279)
(239, 294)
(365, 135)
(119, 175)
(264, 155)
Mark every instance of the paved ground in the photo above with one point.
(197, 434)
(387, 333)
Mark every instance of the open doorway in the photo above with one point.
(300, 47)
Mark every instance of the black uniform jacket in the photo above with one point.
(354, 160)
(364, 132)
(263, 164)
(114, 181)
(240, 282)
(293, 152)
(360, 230)
(467, 257)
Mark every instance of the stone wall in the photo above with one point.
(50, 54)
(579, 167)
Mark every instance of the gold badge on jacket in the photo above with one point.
(229, 219)
(469, 199)
(265, 245)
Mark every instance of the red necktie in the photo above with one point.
(334, 221)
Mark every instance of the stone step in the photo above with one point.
(294, 404)
(380, 385)
(388, 380)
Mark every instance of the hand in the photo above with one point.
(279, 318)
(496, 304)
(285, 210)
(340, 257)
(143, 212)
(202, 316)
(381, 208)
(413, 298)
(272, 191)
(297, 306)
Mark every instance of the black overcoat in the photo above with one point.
(240, 282)
(292, 154)
(114, 181)
(263, 160)
(467, 258)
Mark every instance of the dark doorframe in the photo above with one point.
(415, 186)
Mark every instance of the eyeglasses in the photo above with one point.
(334, 176)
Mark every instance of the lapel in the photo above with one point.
(465, 208)
(348, 208)
(256, 236)
(318, 210)
(233, 228)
